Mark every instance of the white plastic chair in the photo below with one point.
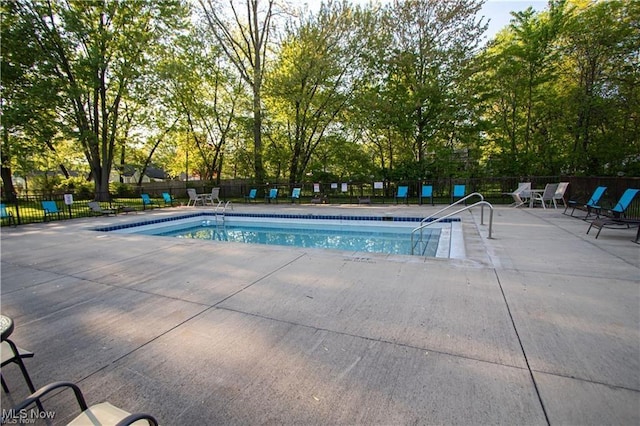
(521, 193)
(559, 195)
(194, 197)
(215, 195)
(546, 196)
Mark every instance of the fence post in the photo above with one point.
(68, 200)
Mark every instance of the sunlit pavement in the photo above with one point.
(539, 325)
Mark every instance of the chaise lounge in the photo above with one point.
(616, 216)
(589, 205)
(96, 209)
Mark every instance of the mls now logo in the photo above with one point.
(25, 416)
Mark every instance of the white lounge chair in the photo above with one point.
(521, 194)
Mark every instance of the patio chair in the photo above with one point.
(403, 193)
(559, 195)
(620, 209)
(168, 199)
(148, 202)
(98, 414)
(608, 222)
(10, 353)
(50, 208)
(251, 196)
(459, 191)
(295, 195)
(95, 208)
(273, 195)
(322, 199)
(194, 197)
(521, 193)
(6, 215)
(546, 196)
(214, 196)
(427, 192)
(589, 205)
(616, 216)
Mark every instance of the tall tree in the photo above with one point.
(244, 39)
(601, 81)
(314, 77)
(199, 85)
(433, 43)
(520, 70)
(29, 98)
(95, 50)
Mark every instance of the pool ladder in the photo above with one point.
(418, 241)
(221, 209)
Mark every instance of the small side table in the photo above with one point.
(6, 326)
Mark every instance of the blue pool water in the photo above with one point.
(370, 235)
(365, 239)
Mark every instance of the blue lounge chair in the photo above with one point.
(295, 195)
(146, 201)
(427, 192)
(5, 214)
(620, 209)
(590, 205)
(403, 193)
(459, 191)
(273, 195)
(50, 208)
(251, 196)
(167, 199)
(617, 214)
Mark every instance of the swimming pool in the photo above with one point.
(368, 234)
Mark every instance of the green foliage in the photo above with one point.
(81, 189)
(45, 183)
(122, 190)
(560, 93)
(312, 81)
(349, 92)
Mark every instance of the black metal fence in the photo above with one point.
(28, 209)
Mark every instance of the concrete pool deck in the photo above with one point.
(539, 325)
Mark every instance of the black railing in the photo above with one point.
(28, 209)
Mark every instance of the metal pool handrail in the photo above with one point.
(461, 200)
(224, 206)
(424, 225)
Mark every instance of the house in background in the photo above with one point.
(131, 175)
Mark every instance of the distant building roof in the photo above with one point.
(151, 172)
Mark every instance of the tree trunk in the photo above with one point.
(257, 124)
(9, 192)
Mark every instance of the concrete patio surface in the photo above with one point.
(539, 325)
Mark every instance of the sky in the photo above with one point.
(498, 11)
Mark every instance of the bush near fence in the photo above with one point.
(27, 209)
